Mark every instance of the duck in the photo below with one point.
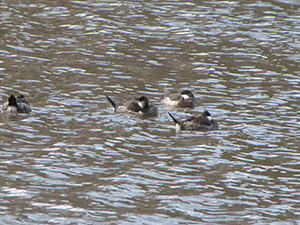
(16, 105)
(183, 99)
(140, 106)
(203, 122)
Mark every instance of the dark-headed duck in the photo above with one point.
(182, 100)
(16, 105)
(139, 106)
(203, 122)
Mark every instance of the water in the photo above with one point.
(72, 161)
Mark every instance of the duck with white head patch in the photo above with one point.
(182, 100)
(203, 122)
(16, 105)
(140, 106)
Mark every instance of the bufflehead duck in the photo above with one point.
(138, 105)
(16, 105)
(203, 122)
(183, 99)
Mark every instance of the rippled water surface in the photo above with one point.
(73, 161)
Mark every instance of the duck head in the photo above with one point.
(186, 94)
(143, 102)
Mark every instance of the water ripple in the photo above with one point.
(73, 161)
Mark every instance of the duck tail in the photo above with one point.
(112, 103)
(177, 124)
(12, 101)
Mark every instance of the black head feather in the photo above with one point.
(12, 101)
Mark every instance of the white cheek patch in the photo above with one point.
(141, 104)
(185, 96)
(209, 118)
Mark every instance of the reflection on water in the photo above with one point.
(73, 161)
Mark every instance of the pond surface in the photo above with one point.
(73, 161)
